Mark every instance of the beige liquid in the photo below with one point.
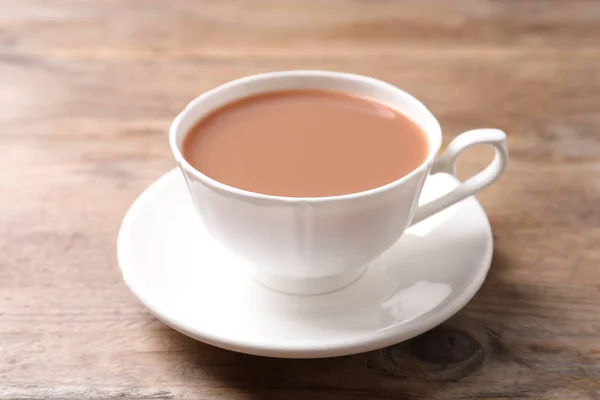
(305, 143)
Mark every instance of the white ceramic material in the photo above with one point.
(195, 284)
(316, 245)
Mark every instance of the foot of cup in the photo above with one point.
(308, 286)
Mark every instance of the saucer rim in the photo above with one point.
(364, 342)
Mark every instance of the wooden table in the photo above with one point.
(88, 90)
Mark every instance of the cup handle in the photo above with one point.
(447, 163)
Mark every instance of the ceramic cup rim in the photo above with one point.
(434, 134)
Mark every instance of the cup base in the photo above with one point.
(307, 286)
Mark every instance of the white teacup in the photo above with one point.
(316, 245)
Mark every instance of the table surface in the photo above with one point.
(88, 90)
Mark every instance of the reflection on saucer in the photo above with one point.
(416, 300)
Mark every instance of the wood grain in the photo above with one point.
(88, 90)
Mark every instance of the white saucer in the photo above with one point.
(199, 288)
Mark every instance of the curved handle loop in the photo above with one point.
(447, 163)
